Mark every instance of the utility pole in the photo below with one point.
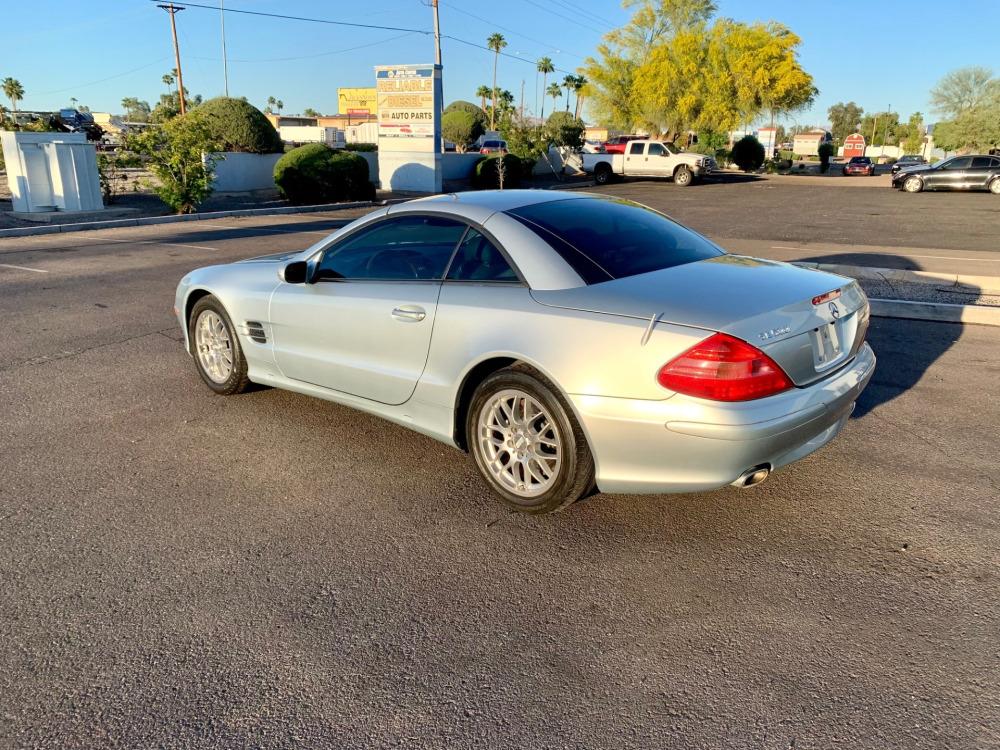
(885, 133)
(522, 99)
(437, 33)
(172, 9)
(225, 62)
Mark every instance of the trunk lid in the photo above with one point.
(765, 303)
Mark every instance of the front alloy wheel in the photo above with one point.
(913, 185)
(527, 443)
(215, 347)
(683, 176)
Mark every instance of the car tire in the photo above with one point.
(216, 348)
(602, 174)
(913, 184)
(683, 176)
(995, 186)
(537, 461)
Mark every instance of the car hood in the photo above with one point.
(273, 257)
(915, 168)
(739, 295)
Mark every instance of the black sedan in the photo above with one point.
(975, 172)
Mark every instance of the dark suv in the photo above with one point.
(975, 172)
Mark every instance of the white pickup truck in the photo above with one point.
(649, 159)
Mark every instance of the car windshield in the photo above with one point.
(607, 238)
(671, 148)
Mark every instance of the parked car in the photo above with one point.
(646, 158)
(567, 341)
(975, 172)
(859, 165)
(616, 144)
(493, 147)
(592, 147)
(907, 161)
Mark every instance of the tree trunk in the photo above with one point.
(544, 94)
(493, 112)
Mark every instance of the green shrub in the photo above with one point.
(472, 109)
(179, 154)
(565, 130)
(461, 128)
(826, 150)
(487, 172)
(748, 153)
(366, 147)
(315, 173)
(786, 155)
(239, 126)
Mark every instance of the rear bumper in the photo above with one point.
(684, 444)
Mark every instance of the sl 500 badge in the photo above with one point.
(773, 333)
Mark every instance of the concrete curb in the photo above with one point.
(936, 311)
(86, 226)
(961, 282)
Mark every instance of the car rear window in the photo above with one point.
(606, 238)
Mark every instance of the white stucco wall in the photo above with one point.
(455, 166)
(239, 173)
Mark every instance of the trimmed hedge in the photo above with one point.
(237, 125)
(748, 154)
(315, 173)
(487, 176)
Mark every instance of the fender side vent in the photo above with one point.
(256, 332)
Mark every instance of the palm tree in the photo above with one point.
(569, 84)
(280, 105)
(14, 91)
(495, 42)
(482, 92)
(545, 67)
(578, 85)
(168, 80)
(555, 91)
(271, 104)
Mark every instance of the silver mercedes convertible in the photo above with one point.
(570, 342)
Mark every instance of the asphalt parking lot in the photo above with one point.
(184, 570)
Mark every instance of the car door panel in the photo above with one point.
(368, 339)
(363, 326)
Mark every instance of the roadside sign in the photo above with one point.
(407, 98)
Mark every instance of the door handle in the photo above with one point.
(409, 314)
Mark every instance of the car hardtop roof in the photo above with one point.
(497, 200)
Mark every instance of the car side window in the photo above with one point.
(478, 259)
(635, 148)
(656, 149)
(981, 161)
(960, 163)
(407, 248)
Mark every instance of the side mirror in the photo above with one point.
(295, 272)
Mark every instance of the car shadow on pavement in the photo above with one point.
(903, 358)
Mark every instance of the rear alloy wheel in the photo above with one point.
(683, 176)
(913, 185)
(602, 174)
(216, 348)
(527, 443)
(995, 186)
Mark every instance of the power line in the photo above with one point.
(307, 57)
(511, 31)
(331, 22)
(570, 7)
(102, 80)
(565, 17)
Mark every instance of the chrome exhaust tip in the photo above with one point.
(753, 476)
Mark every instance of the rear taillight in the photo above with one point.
(723, 368)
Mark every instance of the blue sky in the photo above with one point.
(101, 52)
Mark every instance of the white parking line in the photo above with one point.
(154, 242)
(272, 230)
(23, 268)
